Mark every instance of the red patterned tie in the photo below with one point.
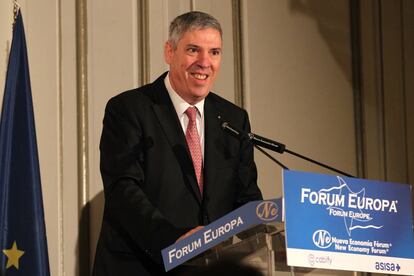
(193, 142)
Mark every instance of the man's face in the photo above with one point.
(195, 63)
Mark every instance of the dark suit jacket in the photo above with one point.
(151, 192)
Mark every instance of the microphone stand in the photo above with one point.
(260, 141)
(281, 148)
(270, 157)
(318, 163)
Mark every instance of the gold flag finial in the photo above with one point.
(16, 8)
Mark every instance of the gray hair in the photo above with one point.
(189, 21)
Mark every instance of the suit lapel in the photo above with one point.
(167, 116)
(212, 136)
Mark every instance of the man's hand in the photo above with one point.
(189, 233)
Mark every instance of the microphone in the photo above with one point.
(267, 143)
(254, 138)
(259, 141)
(234, 131)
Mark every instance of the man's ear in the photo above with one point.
(168, 52)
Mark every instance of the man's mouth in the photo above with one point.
(199, 76)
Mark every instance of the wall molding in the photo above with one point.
(83, 136)
(143, 43)
(355, 27)
(61, 236)
(239, 85)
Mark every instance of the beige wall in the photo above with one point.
(293, 72)
(299, 84)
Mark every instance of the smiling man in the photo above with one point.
(194, 63)
(167, 166)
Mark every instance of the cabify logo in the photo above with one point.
(267, 210)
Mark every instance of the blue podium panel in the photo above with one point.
(248, 215)
(347, 223)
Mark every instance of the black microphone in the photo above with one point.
(234, 131)
(267, 143)
(254, 138)
(259, 141)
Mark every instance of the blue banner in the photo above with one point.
(348, 223)
(23, 247)
(250, 214)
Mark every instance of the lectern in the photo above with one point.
(323, 229)
(262, 247)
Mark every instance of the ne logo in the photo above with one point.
(322, 238)
(267, 210)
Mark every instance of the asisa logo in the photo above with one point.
(322, 238)
(267, 210)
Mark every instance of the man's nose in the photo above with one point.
(204, 60)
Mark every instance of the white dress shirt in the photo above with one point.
(181, 106)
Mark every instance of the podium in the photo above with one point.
(262, 247)
(334, 225)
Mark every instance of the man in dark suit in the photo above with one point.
(167, 166)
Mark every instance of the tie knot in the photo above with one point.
(191, 113)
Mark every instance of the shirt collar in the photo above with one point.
(181, 105)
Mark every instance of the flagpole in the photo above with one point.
(16, 8)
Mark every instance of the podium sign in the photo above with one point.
(347, 223)
(248, 215)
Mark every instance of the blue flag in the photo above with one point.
(23, 246)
